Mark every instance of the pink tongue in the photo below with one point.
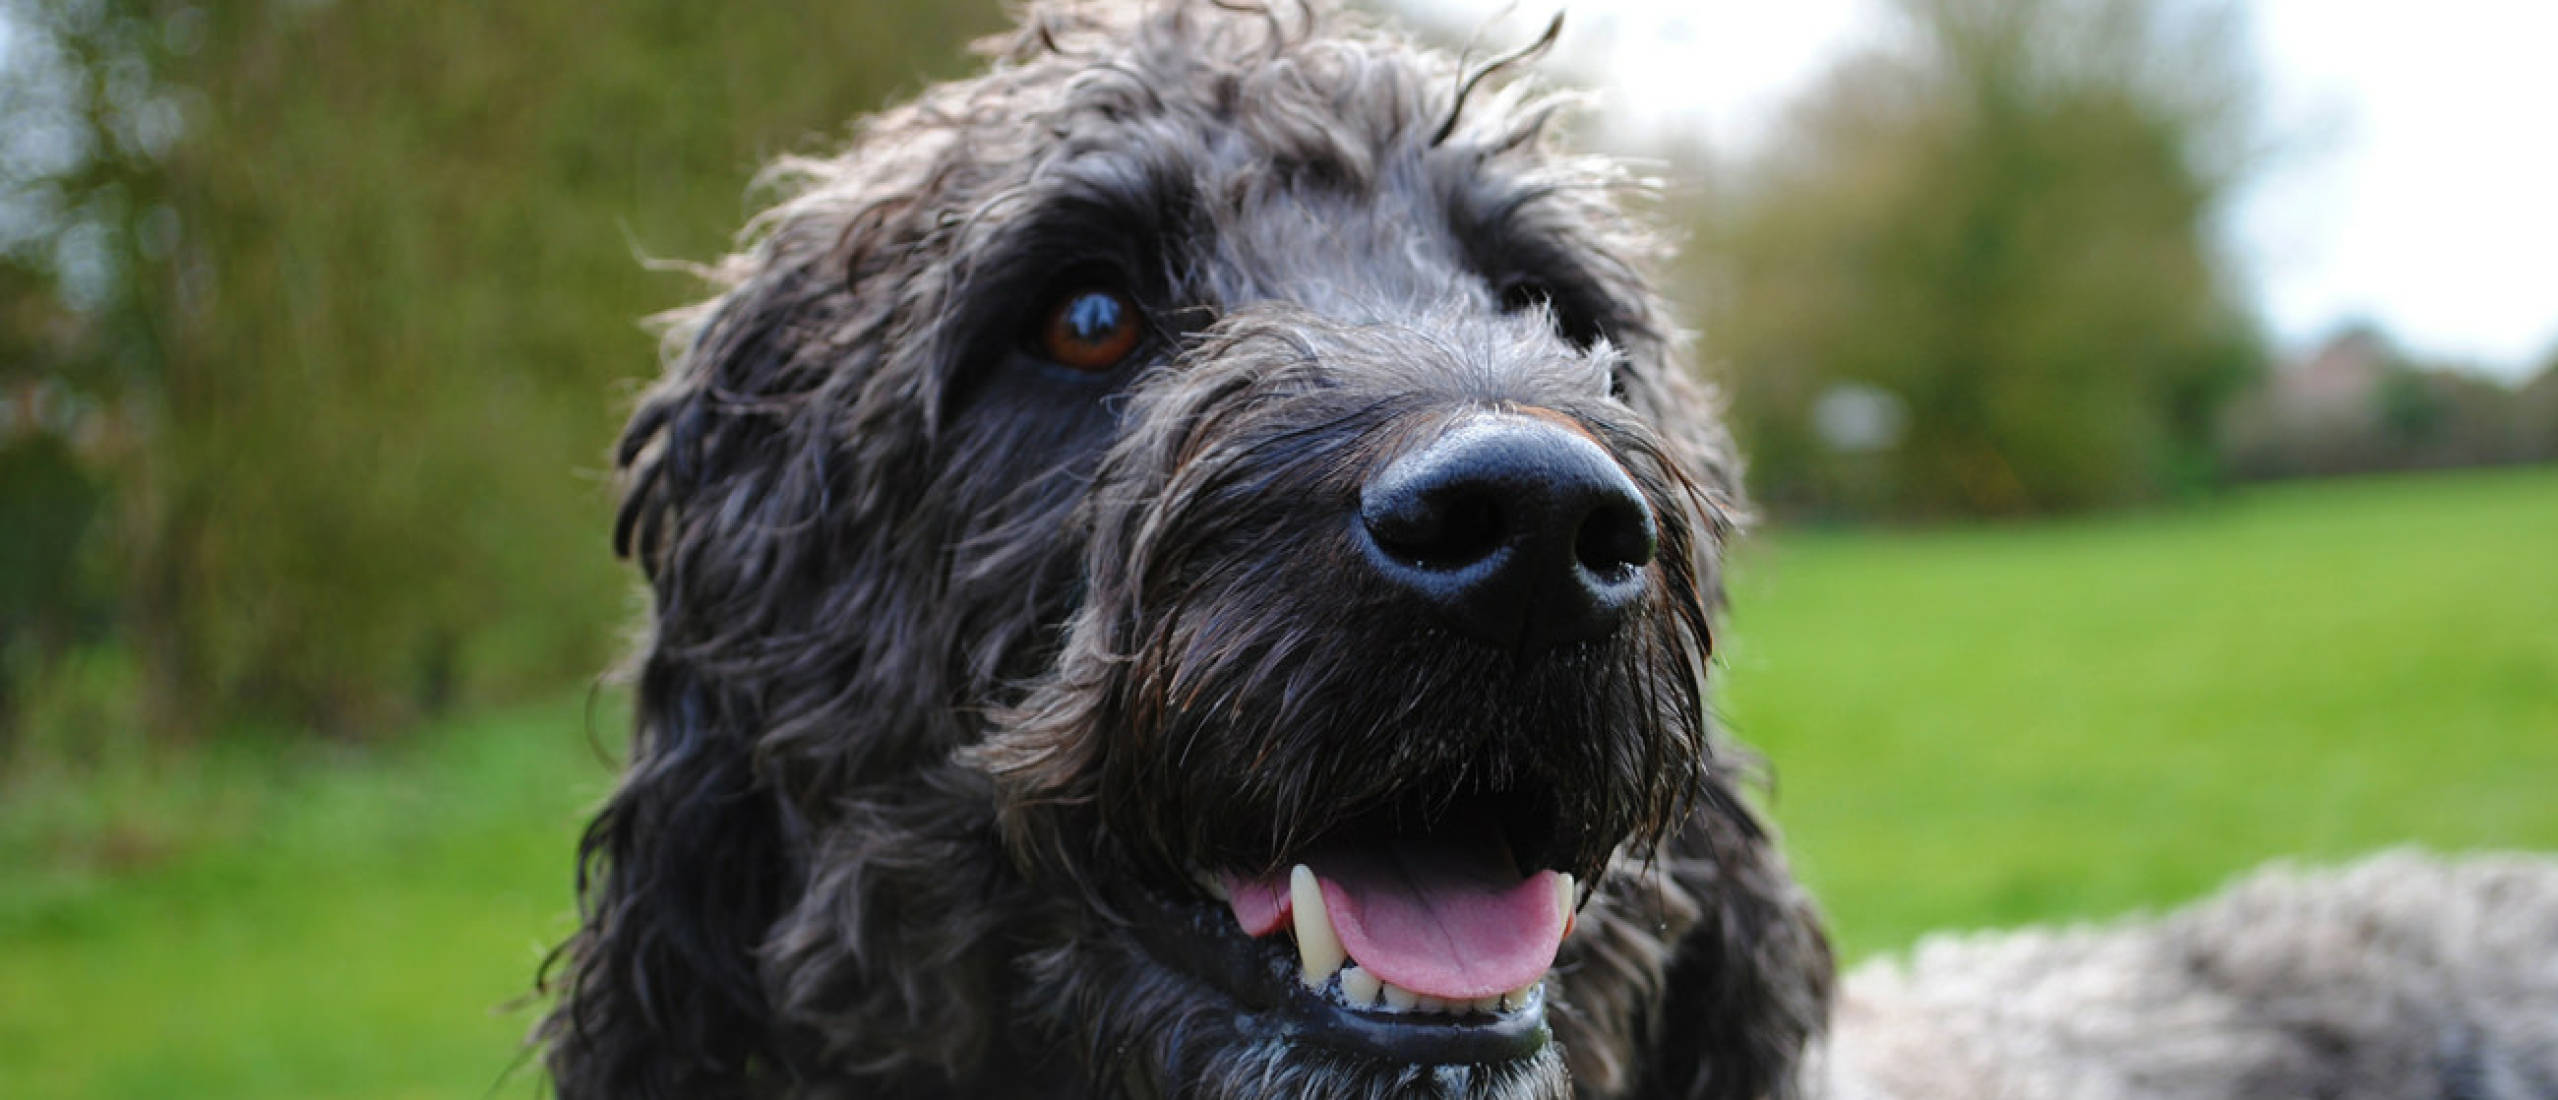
(1261, 905)
(1451, 921)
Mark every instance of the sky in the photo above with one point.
(2412, 179)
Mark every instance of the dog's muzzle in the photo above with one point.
(1423, 929)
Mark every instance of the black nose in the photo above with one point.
(1522, 533)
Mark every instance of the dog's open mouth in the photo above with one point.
(1417, 938)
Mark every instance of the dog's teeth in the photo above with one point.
(1517, 998)
(1399, 998)
(1564, 897)
(1215, 886)
(1428, 1003)
(1485, 1004)
(1359, 987)
(1318, 948)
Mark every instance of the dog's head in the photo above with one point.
(1183, 567)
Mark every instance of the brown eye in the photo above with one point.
(1090, 330)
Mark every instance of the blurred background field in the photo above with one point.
(253, 918)
(2081, 586)
(1989, 726)
(1969, 728)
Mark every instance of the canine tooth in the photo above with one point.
(1517, 998)
(1318, 947)
(1564, 897)
(1359, 987)
(1216, 887)
(1400, 999)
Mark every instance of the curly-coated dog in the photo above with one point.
(1185, 566)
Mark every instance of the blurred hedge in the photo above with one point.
(1976, 275)
(387, 287)
(2362, 404)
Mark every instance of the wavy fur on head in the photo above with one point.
(964, 663)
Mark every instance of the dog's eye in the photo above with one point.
(1090, 329)
(1575, 323)
(1525, 294)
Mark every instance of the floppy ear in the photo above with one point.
(1748, 987)
(679, 876)
(779, 680)
(682, 873)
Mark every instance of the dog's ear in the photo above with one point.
(688, 865)
(1748, 987)
(679, 877)
(766, 688)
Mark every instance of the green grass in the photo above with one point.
(1988, 726)
(1969, 728)
(254, 923)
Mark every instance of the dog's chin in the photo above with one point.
(1274, 1036)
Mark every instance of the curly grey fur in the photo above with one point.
(959, 658)
(2405, 977)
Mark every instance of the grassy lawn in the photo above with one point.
(1968, 727)
(1989, 726)
(285, 924)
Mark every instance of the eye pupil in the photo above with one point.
(1091, 318)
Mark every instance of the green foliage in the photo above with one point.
(1968, 728)
(82, 129)
(393, 312)
(47, 502)
(2002, 227)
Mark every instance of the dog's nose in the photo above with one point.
(1520, 532)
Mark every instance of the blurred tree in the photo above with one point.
(393, 268)
(84, 128)
(1999, 229)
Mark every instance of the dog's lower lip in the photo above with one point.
(1476, 1039)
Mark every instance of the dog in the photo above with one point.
(2406, 976)
(1186, 566)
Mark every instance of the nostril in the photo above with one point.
(1616, 539)
(1518, 531)
(1439, 530)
